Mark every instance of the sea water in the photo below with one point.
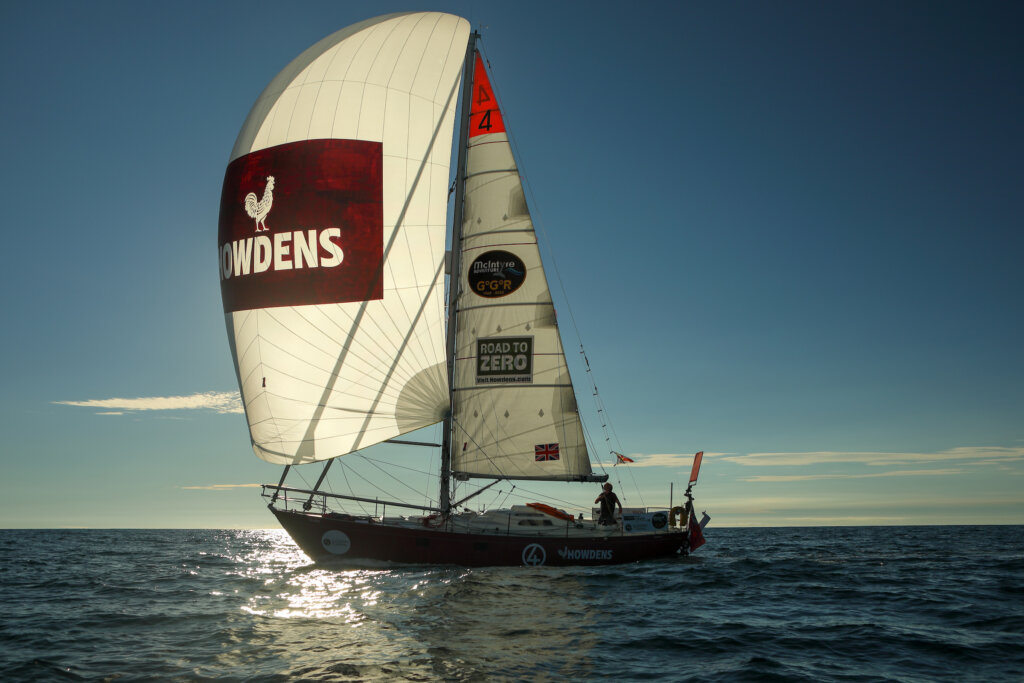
(788, 604)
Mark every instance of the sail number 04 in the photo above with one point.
(482, 97)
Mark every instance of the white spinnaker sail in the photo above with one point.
(370, 108)
(514, 409)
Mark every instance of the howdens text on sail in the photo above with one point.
(286, 251)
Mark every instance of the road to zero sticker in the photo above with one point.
(496, 273)
(504, 360)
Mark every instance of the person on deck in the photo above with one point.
(608, 501)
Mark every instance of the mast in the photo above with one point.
(455, 275)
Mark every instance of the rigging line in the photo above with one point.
(598, 400)
(397, 466)
(500, 493)
(385, 472)
(351, 491)
(618, 478)
(384, 491)
(299, 474)
(639, 493)
(588, 440)
(507, 496)
(564, 503)
(600, 411)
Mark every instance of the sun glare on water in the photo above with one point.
(293, 587)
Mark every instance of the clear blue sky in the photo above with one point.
(790, 234)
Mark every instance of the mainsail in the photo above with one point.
(514, 410)
(332, 239)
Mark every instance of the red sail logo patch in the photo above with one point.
(302, 224)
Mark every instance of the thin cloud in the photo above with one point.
(813, 503)
(966, 454)
(665, 459)
(222, 487)
(873, 475)
(217, 401)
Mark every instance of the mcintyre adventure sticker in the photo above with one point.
(496, 273)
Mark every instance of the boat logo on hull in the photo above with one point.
(495, 274)
(584, 554)
(335, 542)
(534, 555)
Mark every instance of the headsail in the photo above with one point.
(332, 239)
(514, 409)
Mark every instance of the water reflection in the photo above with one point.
(782, 604)
(450, 622)
(517, 621)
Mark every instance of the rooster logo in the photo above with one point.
(259, 208)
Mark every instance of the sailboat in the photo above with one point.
(333, 269)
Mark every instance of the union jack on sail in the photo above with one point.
(545, 451)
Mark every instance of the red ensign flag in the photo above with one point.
(696, 533)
